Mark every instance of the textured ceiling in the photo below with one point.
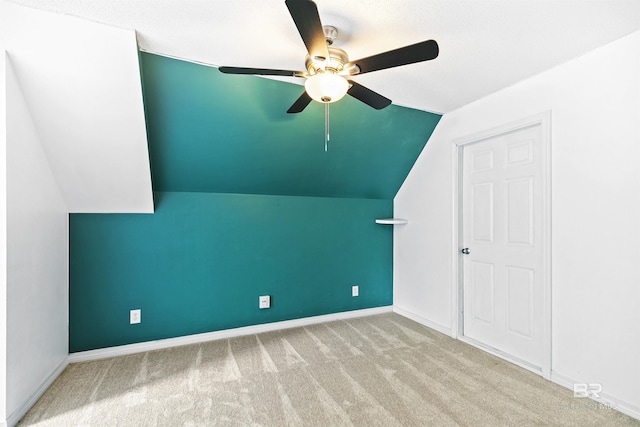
(219, 133)
(484, 45)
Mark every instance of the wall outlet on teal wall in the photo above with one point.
(135, 316)
(264, 301)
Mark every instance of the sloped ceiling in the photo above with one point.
(81, 82)
(218, 133)
(235, 136)
(485, 45)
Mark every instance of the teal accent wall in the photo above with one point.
(199, 263)
(220, 133)
(248, 203)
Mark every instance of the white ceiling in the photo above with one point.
(484, 45)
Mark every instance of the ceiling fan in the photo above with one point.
(329, 70)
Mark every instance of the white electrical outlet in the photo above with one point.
(265, 301)
(135, 316)
(354, 291)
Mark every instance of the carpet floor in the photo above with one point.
(382, 370)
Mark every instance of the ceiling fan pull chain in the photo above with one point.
(326, 126)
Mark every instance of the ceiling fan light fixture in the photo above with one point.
(328, 67)
(326, 87)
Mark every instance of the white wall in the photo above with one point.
(75, 141)
(37, 260)
(595, 148)
(82, 83)
(3, 237)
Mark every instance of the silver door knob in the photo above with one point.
(465, 251)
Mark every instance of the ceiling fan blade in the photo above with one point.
(300, 104)
(305, 16)
(369, 97)
(260, 71)
(423, 51)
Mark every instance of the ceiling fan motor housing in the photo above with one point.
(336, 62)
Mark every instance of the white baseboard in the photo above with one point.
(423, 321)
(17, 415)
(605, 399)
(122, 350)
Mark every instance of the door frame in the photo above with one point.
(544, 120)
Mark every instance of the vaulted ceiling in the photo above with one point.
(205, 131)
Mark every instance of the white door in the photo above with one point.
(502, 229)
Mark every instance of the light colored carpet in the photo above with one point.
(382, 370)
